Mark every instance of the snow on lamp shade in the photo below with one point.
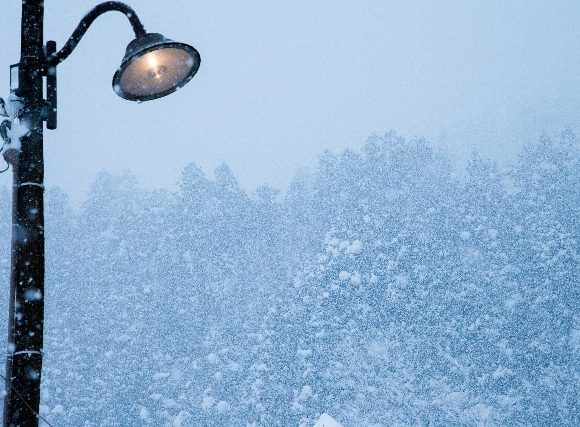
(154, 66)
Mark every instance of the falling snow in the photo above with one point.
(383, 288)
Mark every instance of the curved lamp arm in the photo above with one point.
(57, 57)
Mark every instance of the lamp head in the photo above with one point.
(154, 66)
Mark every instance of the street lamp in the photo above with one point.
(153, 66)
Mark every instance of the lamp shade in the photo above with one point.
(154, 66)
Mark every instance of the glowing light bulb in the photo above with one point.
(153, 67)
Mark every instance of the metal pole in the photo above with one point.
(26, 312)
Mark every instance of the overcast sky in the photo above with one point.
(282, 81)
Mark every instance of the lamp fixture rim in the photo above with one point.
(163, 43)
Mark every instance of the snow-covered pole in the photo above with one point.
(26, 309)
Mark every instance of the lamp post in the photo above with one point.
(153, 66)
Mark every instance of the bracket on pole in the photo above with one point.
(14, 80)
(51, 87)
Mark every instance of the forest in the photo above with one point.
(387, 286)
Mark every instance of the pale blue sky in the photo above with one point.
(282, 81)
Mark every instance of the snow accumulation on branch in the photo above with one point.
(326, 420)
